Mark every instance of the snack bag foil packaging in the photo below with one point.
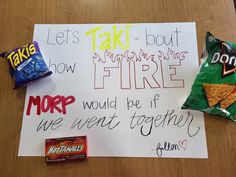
(214, 89)
(26, 64)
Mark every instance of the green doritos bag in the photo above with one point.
(214, 89)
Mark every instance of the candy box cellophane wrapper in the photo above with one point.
(66, 148)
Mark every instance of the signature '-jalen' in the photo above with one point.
(168, 146)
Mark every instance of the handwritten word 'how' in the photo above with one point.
(110, 40)
(49, 104)
(139, 69)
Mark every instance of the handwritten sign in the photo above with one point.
(122, 85)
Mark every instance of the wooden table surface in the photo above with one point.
(17, 18)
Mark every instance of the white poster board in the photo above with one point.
(122, 85)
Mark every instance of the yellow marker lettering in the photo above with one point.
(117, 38)
(93, 32)
(127, 30)
(106, 44)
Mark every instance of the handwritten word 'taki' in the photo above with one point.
(110, 40)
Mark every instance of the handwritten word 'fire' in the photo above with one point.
(143, 69)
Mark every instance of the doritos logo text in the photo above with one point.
(224, 59)
(227, 57)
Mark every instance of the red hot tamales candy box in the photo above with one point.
(67, 148)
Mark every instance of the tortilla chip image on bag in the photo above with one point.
(214, 88)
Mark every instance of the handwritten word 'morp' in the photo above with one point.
(49, 104)
(110, 40)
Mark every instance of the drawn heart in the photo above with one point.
(183, 144)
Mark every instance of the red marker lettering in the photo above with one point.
(50, 104)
